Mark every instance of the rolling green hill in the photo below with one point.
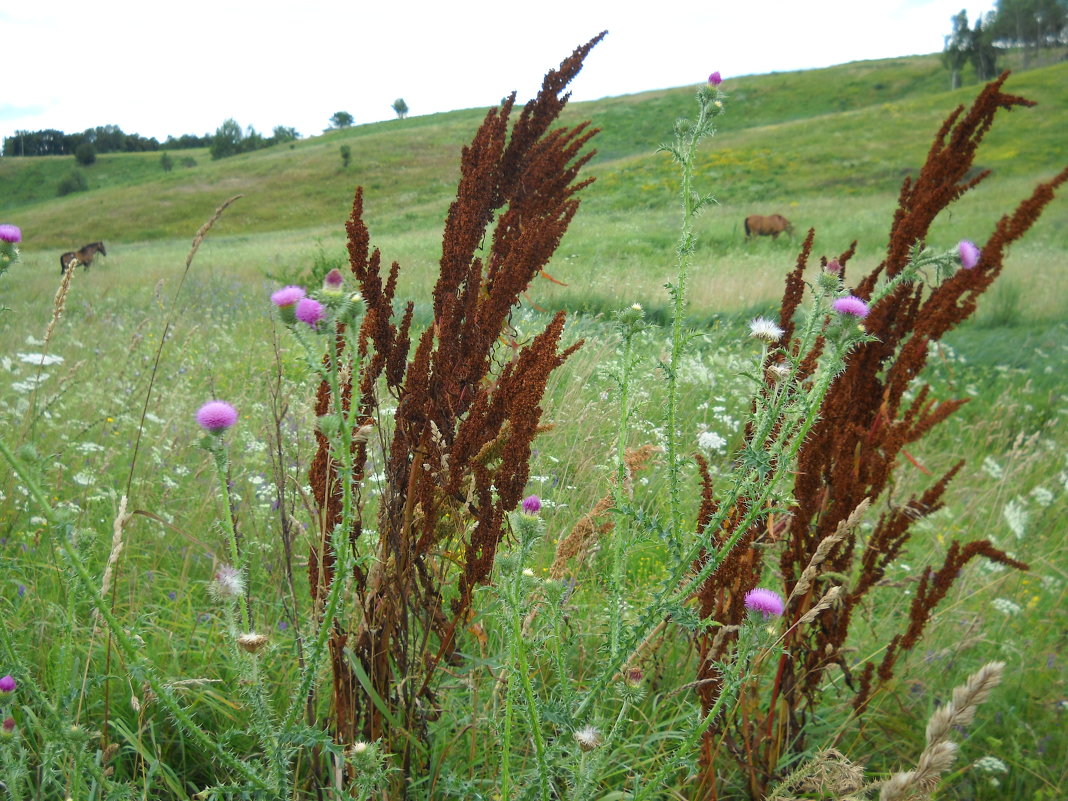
(847, 130)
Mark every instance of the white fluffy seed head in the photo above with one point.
(588, 737)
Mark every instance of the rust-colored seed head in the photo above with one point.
(867, 422)
(457, 459)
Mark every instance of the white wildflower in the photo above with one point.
(1006, 607)
(990, 764)
(1043, 497)
(992, 468)
(40, 358)
(711, 441)
(84, 478)
(1016, 515)
(29, 384)
(1051, 583)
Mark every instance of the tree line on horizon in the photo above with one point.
(1031, 25)
(103, 139)
(229, 139)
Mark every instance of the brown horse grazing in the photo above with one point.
(772, 225)
(84, 256)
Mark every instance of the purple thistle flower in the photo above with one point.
(9, 725)
(10, 233)
(969, 254)
(851, 304)
(767, 602)
(333, 281)
(310, 311)
(216, 416)
(7, 684)
(833, 266)
(287, 296)
(715, 78)
(531, 505)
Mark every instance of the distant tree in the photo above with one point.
(1030, 23)
(252, 141)
(85, 154)
(166, 162)
(984, 53)
(49, 142)
(282, 135)
(189, 161)
(227, 140)
(346, 155)
(401, 108)
(958, 48)
(186, 141)
(341, 119)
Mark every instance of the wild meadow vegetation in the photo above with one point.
(588, 496)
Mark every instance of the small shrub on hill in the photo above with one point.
(75, 181)
(85, 154)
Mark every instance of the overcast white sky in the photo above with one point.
(168, 68)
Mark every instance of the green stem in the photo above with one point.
(341, 451)
(506, 746)
(28, 481)
(219, 454)
(532, 709)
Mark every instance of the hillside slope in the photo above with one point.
(852, 129)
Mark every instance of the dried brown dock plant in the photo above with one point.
(851, 454)
(467, 408)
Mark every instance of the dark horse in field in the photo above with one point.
(84, 256)
(772, 225)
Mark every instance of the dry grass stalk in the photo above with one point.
(824, 549)
(573, 550)
(966, 698)
(829, 774)
(59, 302)
(826, 602)
(121, 519)
(940, 752)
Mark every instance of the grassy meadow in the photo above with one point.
(826, 148)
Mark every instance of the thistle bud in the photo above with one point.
(334, 282)
(251, 643)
